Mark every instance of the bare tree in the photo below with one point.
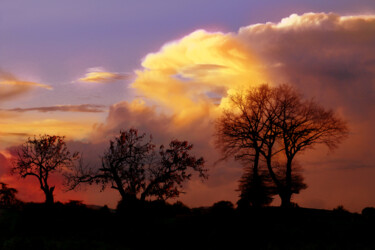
(303, 124)
(40, 157)
(131, 166)
(268, 123)
(174, 165)
(246, 131)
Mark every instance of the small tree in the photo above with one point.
(131, 166)
(255, 190)
(8, 196)
(40, 157)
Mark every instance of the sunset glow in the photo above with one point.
(170, 77)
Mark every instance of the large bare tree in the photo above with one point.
(244, 130)
(275, 124)
(303, 124)
(40, 157)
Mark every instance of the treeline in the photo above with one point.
(159, 225)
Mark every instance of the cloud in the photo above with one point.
(151, 120)
(100, 75)
(85, 108)
(14, 134)
(183, 86)
(326, 56)
(185, 74)
(11, 86)
(16, 131)
(136, 114)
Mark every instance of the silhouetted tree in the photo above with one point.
(275, 123)
(246, 131)
(302, 125)
(133, 167)
(40, 157)
(8, 196)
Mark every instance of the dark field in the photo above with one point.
(160, 226)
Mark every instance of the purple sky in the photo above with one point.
(54, 42)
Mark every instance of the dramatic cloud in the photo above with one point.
(326, 56)
(85, 108)
(100, 75)
(189, 76)
(330, 58)
(11, 86)
(148, 119)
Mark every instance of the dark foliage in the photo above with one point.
(256, 190)
(222, 207)
(8, 197)
(163, 226)
(369, 212)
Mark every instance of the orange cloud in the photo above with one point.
(15, 131)
(189, 76)
(84, 108)
(11, 86)
(100, 75)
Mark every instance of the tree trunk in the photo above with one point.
(49, 195)
(279, 186)
(120, 187)
(285, 199)
(289, 175)
(287, 193)
(256, 201)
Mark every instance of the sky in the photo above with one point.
(87, 69)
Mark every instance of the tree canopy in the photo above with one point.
(40, 157)
(274, 124)
(134, 167)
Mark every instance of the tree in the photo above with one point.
(132, 167)
(245, 131)
(8, 196)
(40, 157)
(269, 123)
(303, 124)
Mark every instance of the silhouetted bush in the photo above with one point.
(222, 207)
(179, 208)
(340, 210)
(369, 212)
